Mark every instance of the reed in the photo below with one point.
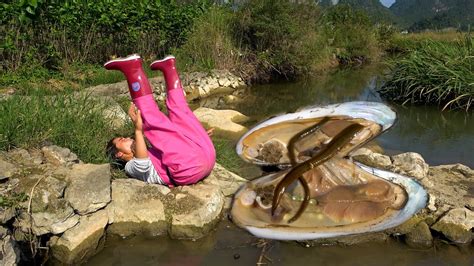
(435, 73)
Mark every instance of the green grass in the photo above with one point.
(68, 120)
(226, 155)
(437, 72)
(71, 77)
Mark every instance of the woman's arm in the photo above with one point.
(140, 145)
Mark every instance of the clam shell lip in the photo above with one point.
(372, 111)
(417, 199)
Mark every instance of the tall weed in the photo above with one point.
(436, 73)
(210, 45)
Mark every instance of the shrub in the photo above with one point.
(350, 33)
(50, 33)
(279, 36)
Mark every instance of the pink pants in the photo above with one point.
(182, 151)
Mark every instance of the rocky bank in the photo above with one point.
(67, 206)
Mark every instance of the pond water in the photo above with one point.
(441, 137)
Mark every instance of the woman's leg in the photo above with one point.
(178, 110)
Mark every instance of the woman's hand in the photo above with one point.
(136, 117)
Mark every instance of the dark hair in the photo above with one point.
(111, 151)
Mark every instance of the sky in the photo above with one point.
(387, 3)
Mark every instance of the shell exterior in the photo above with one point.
(374, 112)
(371, 111)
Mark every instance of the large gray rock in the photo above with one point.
(451, 186)
(51, 213)
(89, 187)
(410, 164)
(456, 225)
(195, 211)
(59, 156)
(137, 208)
(82, 241)
(227, 181)
(224, 121)
(9, 251)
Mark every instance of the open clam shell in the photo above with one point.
(266, 143)
(339, 197)
(314, 225)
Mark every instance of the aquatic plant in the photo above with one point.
(435, 73)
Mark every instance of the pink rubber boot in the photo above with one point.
(167, 65)
(131, 67)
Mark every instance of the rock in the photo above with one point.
(456, 225)
(56, 220)
(59, 156)
(6, 214)
(9, 251)
(82, 241)
(224, 121)
(431, 203)
(229, 99)
(192, 92)
(227, 181)
(454, 187)
(22, 157)
(6, 169)
(410, 164)
(89, 188)
(372, 159)
(420, 236)
(374, 147)
(50, 212)
(108, 89)
(137, 208)
(115, 114)
(196, 214)
(406, 227)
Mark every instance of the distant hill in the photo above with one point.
(420, 14)
(375, 10)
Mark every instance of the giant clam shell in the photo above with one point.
(307, 227)
(278, 130)
(346, 198)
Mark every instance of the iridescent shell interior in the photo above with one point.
(269, 145)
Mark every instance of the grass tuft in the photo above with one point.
(437, 72)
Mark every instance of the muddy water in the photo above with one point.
(232, 246)
(441, 138)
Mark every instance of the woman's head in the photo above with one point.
(120, 150)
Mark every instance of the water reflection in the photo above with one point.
(229, 245)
